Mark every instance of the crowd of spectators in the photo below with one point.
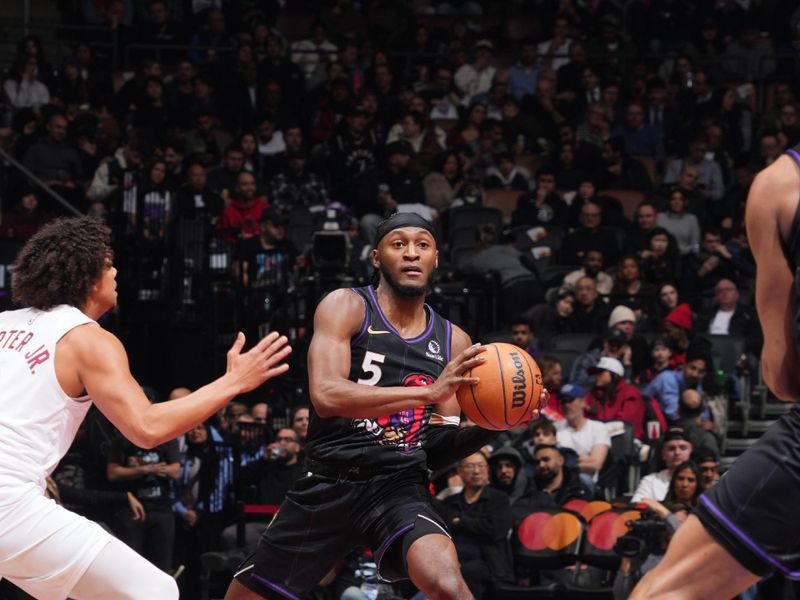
(243, 154)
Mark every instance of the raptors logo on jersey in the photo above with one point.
(402, 429)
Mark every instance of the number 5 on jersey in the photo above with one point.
(371, 367)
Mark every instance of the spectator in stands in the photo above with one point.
(352, 152)
(272, 476)
(380, 192)
(680, 224)
(552, 379)
(675, 450)
(159, 28)
(595, 129)
(708, 462)
(476, 77)
(666, 388)
(180, 93)
(25, 218)
(221, 180)
(213, 38)
(296, 186)
(505, 175)
(588, 437)
(641, 138)
(195, 201)
(553, 484)
(630, 289)
(677, 328)
(443, 184)
(422, 138)
(729, 316)
(277, 67)
(55, 161)
(710, 265)
(568, 176)
(22, 87)
(552, 318)
(619, 171)
(542, 207)
(709, 180)
(637, 239)
(661, 355)
(479, 518)
(660, 260)
(271, 144)
(554, 53)
(590, 235)
(611, 209)
(523, 337)
(313, 53)
(614, 345)
(590, 314)
(612, 398)
(691, 407)
(685, 488)
(117, 172)
(260, 412)
(148, 475)
(523, 74)
(506, 474)
(592, 268)
(545, 107)
(241, 218)
(268, 259)
(207, 139)
(300, 421)
(749, 57)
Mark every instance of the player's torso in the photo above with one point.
(380, 356)
(38, 421)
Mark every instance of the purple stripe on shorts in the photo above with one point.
(448, 337)
(746, 539)
(274, 586)
(364, 325)
(379, 554)
(794, 155)
(425, 334)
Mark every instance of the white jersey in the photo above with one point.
(38, 421)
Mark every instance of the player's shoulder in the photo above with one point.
(89, 338)
(343, 308)
(459, 340)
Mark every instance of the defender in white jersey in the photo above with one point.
(55, 360)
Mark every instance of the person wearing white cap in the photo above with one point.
(614, 399)
(637, 360)
(588, 437)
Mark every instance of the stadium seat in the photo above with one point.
(630, 200)
(573, 341)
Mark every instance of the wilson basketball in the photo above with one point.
(509, 389)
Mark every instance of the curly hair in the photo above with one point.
(60, 263)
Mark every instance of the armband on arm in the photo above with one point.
(447, 443)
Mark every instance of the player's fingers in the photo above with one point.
(238, 344)
(278, 356)
(266, 341)
(276, 346)
(544, 399)
(468, 380)
(471, 351)
(471, 363)
(535, 414)
(275, 371)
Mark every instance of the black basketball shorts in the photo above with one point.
(753, 510)
(323, 518)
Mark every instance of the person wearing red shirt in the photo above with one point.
(613, 398)
(241, 219)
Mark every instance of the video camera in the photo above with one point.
(646, 536)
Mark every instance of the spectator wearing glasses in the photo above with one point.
(479, 519)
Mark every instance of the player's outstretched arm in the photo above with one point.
(100, 363)
(771, 205)
(338, 318)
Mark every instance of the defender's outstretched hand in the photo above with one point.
(262, 362)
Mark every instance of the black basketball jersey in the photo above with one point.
(791, 249)
(381, 356)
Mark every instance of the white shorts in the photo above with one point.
(44, 548)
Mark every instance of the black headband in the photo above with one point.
(398, 220)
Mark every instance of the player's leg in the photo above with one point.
(695, 567)
(120, 573)
(433, 567)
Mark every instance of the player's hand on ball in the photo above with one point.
(544, 400)
(453, 374)
(262, 362)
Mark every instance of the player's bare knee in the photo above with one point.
(448, 586)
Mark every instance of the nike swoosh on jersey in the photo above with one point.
(376, 331)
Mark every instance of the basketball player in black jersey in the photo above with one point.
(383, 372)
(748, 525)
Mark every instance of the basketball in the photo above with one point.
(509, 389)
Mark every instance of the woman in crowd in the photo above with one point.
(630, 289)
(443, 184)
(660, 261)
